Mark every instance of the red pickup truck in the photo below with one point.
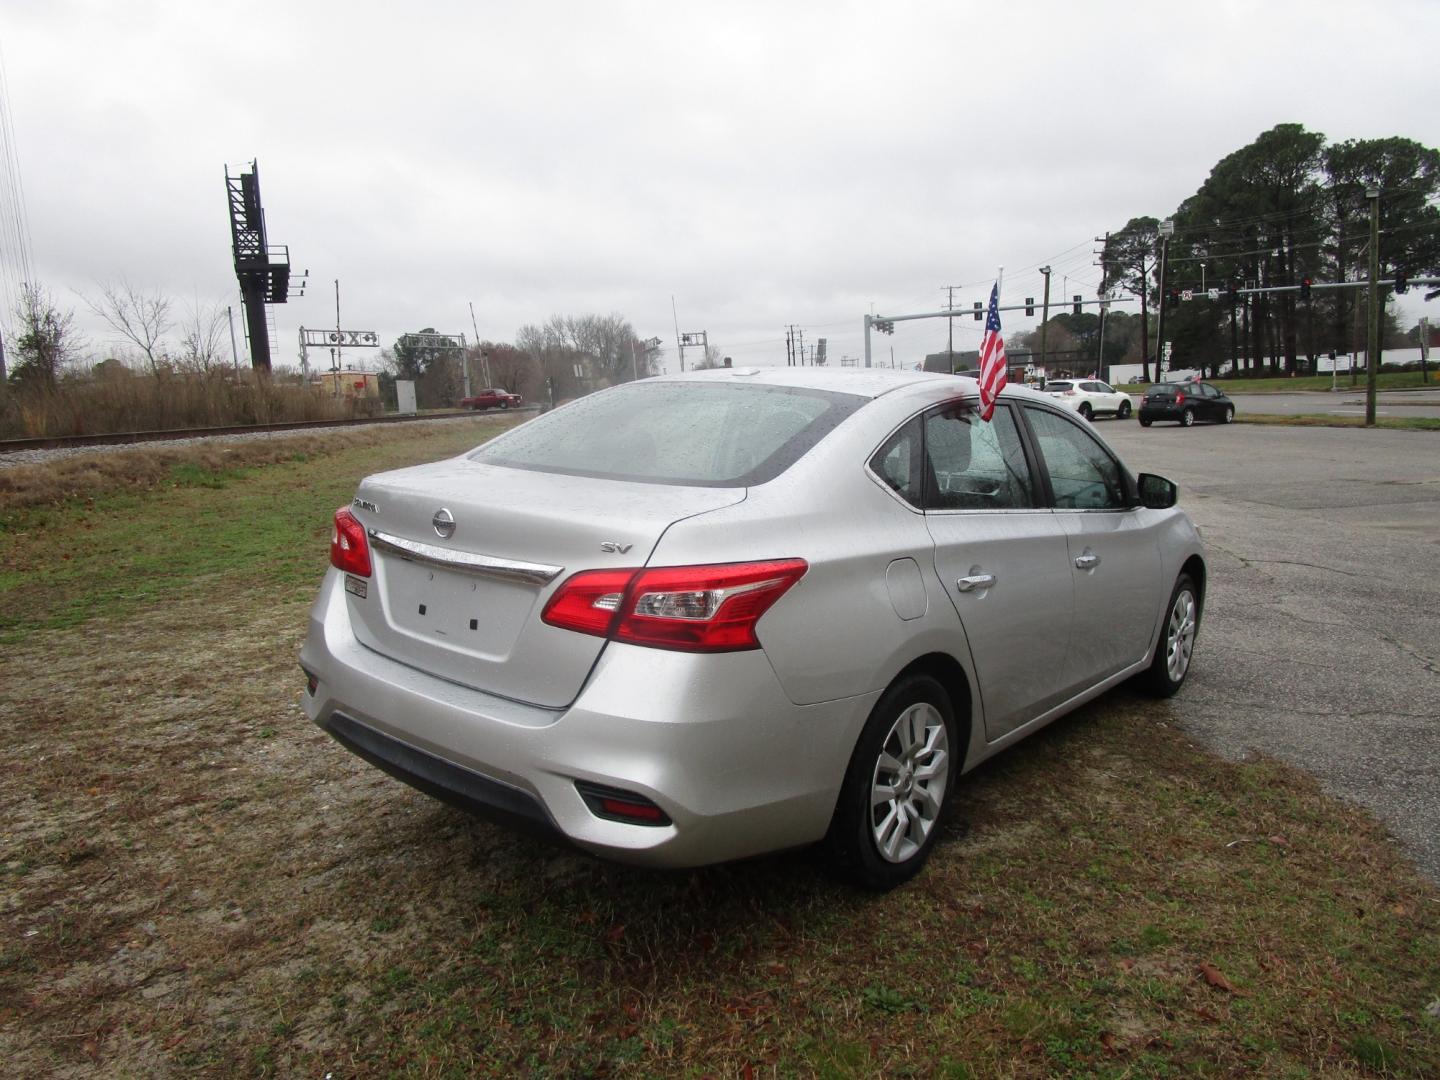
(491, 399)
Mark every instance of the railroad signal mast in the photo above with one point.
(262, 269)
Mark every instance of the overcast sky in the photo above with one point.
(764, 164)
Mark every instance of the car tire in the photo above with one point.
(1145, 423)
(910, 749)
(1175, 649)
(1123, 413)
(1187, 418)
(504, 404)
(1085, 410)
(1229, 417)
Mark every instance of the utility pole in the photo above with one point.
(1372, 359)
(950, 306)
(1167, 230)
(235, 353)
(484, 355)
(1044, 314)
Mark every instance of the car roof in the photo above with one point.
(864, 382)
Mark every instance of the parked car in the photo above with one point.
(700, 617)
(1185, 403)
(1090, 397)
(491, 399)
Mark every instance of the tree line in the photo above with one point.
(1289, 207)
(564, 357)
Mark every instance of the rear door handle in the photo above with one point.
(1088, 561)
(971, 582)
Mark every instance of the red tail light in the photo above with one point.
(349, 550)
(1180, 397)
(689, 608)
(1069, 393)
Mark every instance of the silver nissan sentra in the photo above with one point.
(700, 617)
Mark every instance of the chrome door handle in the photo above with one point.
(975, 581)
(1087, 561)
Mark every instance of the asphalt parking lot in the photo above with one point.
(1321, 639)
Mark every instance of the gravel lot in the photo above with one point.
(1321, 643)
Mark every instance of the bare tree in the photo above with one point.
(141, 318)
(202, 338)
(511, 369)
(46, 339)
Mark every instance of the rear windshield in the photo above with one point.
(692, 433)
(1166, 388)
(1057, 384)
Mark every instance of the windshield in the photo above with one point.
(691, 433)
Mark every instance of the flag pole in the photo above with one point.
(999, 280)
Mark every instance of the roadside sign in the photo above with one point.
(1213, 294)
(1187, 294)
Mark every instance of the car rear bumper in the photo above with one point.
(1161, 412)
(711, 740)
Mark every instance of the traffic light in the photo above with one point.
(1305, 284)
(1173, 298)
(884, 326)
(1029, 305)
(1077, 301)
(1402, 281)
(979, 311)
(1234, 295)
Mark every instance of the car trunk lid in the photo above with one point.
(459, 595)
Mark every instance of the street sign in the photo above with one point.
(1213, 294)
(1187, 294)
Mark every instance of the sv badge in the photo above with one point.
(610, 547)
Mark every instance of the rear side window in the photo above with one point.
(974, 465)
(691, 433)
(898, 463)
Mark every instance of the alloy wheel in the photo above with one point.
(1180, 635)
(908, 786)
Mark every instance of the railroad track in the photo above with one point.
(122, 438)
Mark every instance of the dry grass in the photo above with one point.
(122, 400)
(89, 475)
(199, 882)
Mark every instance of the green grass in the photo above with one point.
(175, 828)
(69, 562)
(1393, 423)
(1392, 380)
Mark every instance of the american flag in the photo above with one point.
(992, 357)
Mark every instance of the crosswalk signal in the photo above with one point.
(979, 311)
(1305, 284)
(1030, 305)
(1234, 294)
(1076, 299)
(1402, 281)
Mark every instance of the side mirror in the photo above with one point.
(1156, 493)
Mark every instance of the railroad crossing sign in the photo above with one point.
(350, 338)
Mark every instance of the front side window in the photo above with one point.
(974, 465)
(707, 434)
(1083, 475)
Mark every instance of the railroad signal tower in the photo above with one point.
(262, 269)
